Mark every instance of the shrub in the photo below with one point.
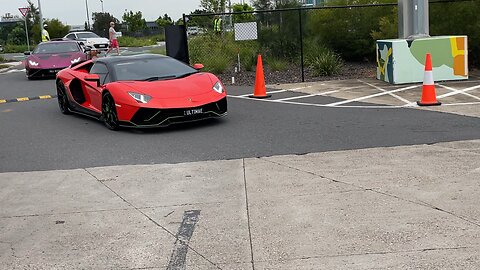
(217, 65)
(214, 53)
(277, 64)
(326, 64)
(126, 41)
(248, 55)
(16, 48)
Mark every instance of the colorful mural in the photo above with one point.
(402, 61)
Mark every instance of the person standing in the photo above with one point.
(112, 34)
(217, 25)
(45, 35)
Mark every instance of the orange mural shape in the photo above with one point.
(459, 56)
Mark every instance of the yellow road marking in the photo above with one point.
(3, 101)
(23, 99)
(45, 97)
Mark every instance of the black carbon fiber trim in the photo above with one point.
(147, 117)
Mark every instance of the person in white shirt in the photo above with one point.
(112, 34)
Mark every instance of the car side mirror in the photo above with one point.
(198, 66)
(27, 53)
(92, 78)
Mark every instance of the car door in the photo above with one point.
(92, 90)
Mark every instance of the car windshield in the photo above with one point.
(87, 35)
(60, 47)
(151, 69)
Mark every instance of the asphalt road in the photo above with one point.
(36, 136)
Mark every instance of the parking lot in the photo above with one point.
(327, 175)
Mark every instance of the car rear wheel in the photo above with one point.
(62, 98)
(109, 112)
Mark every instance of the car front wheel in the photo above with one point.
(109, 112)
(62, 98)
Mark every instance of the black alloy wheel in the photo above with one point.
(28, 75)
(62, 98)
(109, 112)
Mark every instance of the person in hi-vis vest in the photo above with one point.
(217, 25)
(45, 35)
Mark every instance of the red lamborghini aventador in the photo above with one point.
(140, 91)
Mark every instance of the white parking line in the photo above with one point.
(13, 71)
(306, 96)
(318, 105)
(456, 91)
(385, 91)
(371, 96)
(270, 92)
(459, 91)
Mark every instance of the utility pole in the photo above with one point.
(88, 17)
(102, 6)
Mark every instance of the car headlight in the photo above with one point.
(218, 87)
(32, 63)
(140, 97)
(76, 60)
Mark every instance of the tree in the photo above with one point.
(164, 21)
(262, 4)
(56, 29)
(202, 21)
(213, 6)
(134, 21)
(101, 22)
(246, 17)
(17, 35)
(33, 23)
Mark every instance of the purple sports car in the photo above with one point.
(50, 57)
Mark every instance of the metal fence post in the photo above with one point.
(301, 42)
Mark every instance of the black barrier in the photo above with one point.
(176, 42)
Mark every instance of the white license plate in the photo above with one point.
(193, 112)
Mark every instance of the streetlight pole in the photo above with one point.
(102, 6)
(41, 17)
(88, 17)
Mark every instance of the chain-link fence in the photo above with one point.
(300, 44)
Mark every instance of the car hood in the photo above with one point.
(196, 84)
(96, 40)
(59, 60)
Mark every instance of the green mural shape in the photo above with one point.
(438, 49)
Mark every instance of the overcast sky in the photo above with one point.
(73, 12)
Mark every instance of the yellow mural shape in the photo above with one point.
(459, 55)
(382, 68)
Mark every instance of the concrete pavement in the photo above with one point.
(405, 207)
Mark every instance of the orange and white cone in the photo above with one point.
(429, 97)
(259, 91)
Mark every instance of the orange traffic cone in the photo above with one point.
(429, 97)
(260, 91)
